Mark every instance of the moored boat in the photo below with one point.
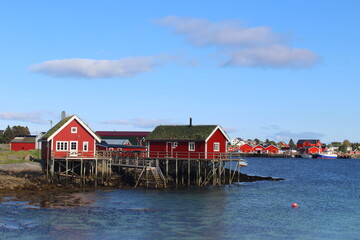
(243, 163)
(326, 155)
(306, 156)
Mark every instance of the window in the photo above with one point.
(73, 146)
(61, 146)
(175, 144)
(216, 147)
(85, 146)
(191, 146)
(73, 129)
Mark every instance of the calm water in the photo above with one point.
(327, 191)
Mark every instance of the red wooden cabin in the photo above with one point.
(187, 141)
(72, 138)
(259, 149)
(308, 143)
(272, 149)
(23, 143)
(246, 148)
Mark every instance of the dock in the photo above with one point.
(138, 170)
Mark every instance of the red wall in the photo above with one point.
(81, 136)
(22, 146)
(259, 149)
(272, 149)
(313, 150)
(246, 148)
(163, 149)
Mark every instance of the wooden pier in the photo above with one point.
(138, 170)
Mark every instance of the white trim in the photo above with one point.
(221, 130)
(65, 146)
(80, 122)
(218, 147)
(87, 146)
(189, 144)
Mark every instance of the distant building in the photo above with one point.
(309, 146)
(23, 143)
(135, 137)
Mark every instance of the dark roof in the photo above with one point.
(55, 128)
(313, 141)
(24, 139)
(181, 132)
(103, 134)
(134, 137)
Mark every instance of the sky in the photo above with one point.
(261, 69)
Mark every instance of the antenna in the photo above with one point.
(50, 123)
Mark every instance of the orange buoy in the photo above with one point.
(294, 205)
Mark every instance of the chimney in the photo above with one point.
(190, 124)
(63, 115)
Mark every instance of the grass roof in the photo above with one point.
(181, 132)
(55, 128)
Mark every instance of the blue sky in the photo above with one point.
(260, 69)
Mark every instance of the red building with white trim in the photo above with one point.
(187, 141)
(246, 148)
(71, 137)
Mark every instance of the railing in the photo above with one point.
(139, 155)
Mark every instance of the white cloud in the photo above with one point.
(242, 46)
(31, 117)
(139, 123)
(91, 68)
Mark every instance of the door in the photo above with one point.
(169, 149)
(73, 148)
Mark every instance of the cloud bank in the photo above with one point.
(35, 117)
(91, 68)
(241, 46)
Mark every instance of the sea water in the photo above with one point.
(327, 193)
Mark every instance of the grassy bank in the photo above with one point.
(7, 156)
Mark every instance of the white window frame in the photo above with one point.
(175, 144)
(216, 147)
(77, 146)
(85, 145)
(61, 146)
(191, 146)
(73, 129)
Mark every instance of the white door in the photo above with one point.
(73, 148)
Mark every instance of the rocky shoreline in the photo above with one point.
(30, 176)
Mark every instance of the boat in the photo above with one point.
(326, 155)
(306, 156)
(243, 163)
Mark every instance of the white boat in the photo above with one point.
(327, 155)
(243, 163)
(306, 156)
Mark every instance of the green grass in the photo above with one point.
(7, 156)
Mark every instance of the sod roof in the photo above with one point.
(55, 128)
(181, 132)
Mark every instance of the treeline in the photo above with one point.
(11, 132)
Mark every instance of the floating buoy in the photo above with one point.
(294, 205)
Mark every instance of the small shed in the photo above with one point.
(70, 137)
(23, 143)
(272, 149)
(187, 141)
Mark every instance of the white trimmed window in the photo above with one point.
(73, 145)
(216, 147)
(85, 146)
(175, 144)
(192, 146)
(73, 129)
(61, 146)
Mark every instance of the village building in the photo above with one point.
(309, 146)
(246, 148)
(272, 149)
(71, 137)
(187, 141)
(135, 137)
(23, 143)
